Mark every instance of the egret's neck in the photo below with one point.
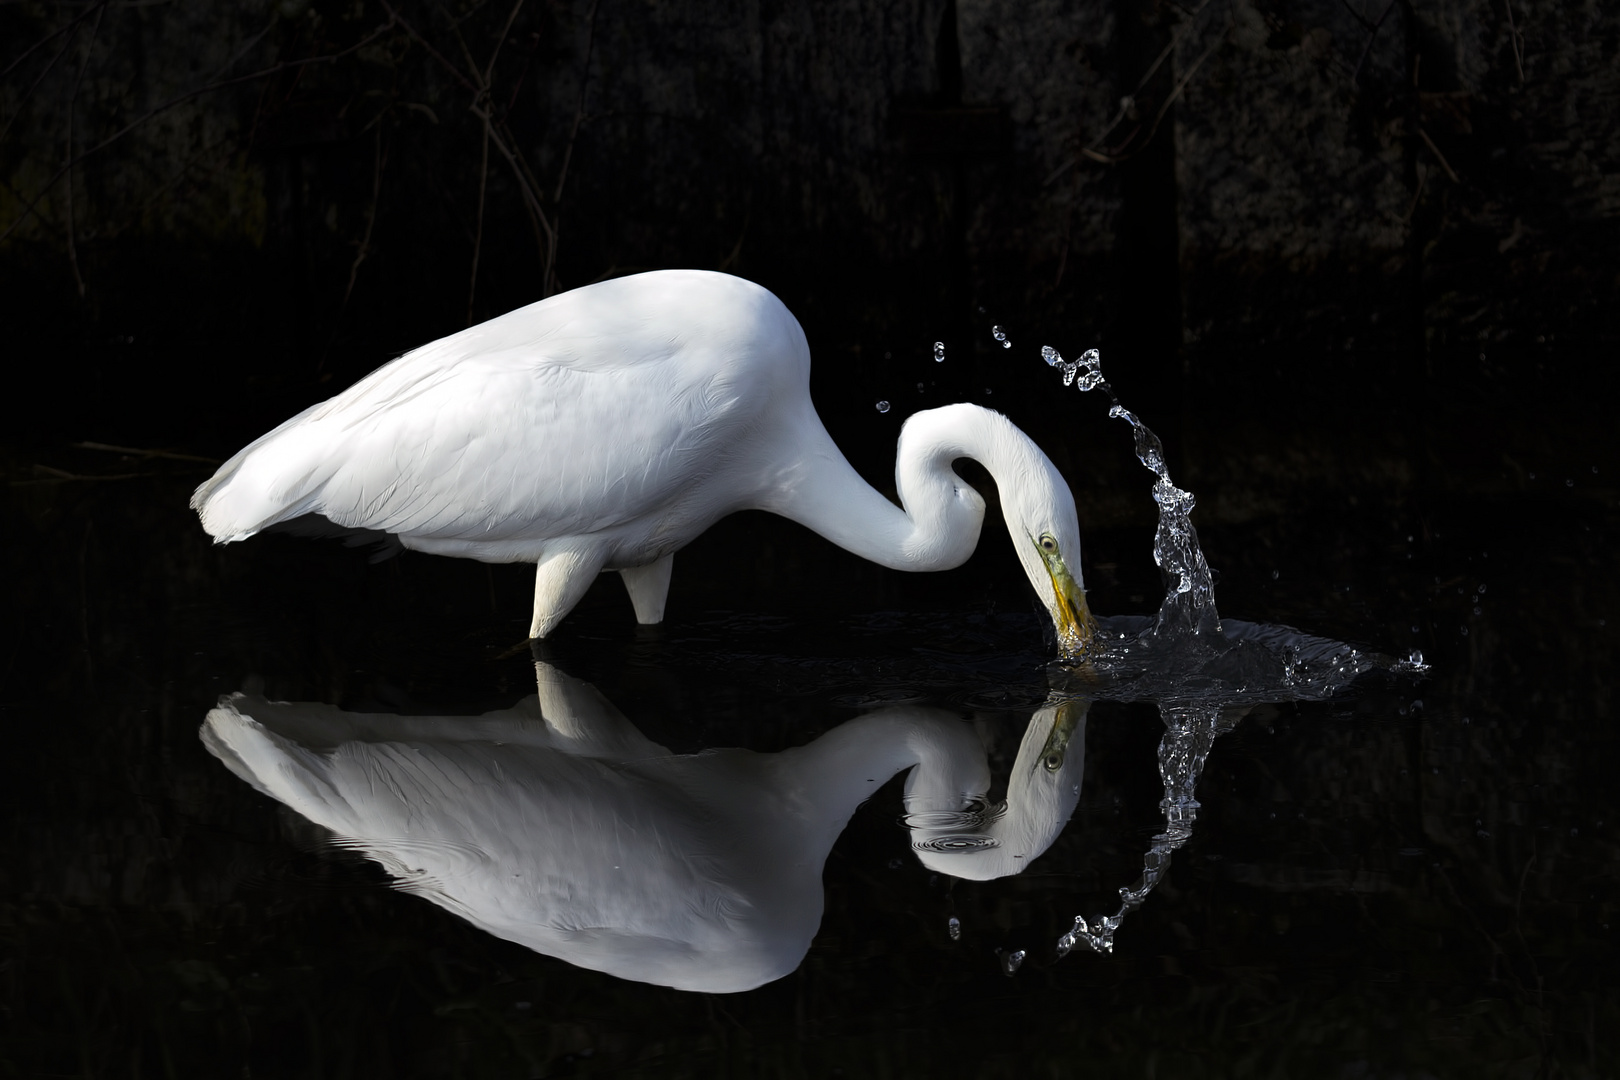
(938, 527)
(825, 781)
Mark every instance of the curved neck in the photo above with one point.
(827, 779)
(936, 527)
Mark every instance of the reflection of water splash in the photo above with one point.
(1190, 730)
(1202, 673)
(1189, 603)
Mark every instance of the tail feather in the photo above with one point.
(273, 479)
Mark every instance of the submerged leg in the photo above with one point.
(649, 588)
(560, 580)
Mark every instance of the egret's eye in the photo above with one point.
(1047, 543)
(1053, 761)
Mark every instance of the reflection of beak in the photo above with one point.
(1075, 627)
(1066, 717)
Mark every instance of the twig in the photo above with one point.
(478, 225)
(181, 99)
(454, 71)
(379, 159)
(579, 106)
(1423, 178)
(545, 234)
(1116, 158)
(486, 94)
(73, 99)
(1372, 35)
(1358, 16)
(1518, 42)
(26, 53)
(54, 475)
(66, 45)
(489, 69)
(568, 151)
(1444, 164)
(1128, 103)
(170, 455)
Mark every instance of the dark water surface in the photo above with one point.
(1414, 879)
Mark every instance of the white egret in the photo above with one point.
(558, 825)
(607, 427)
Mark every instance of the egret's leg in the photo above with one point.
(582, 721)
(649, 588)
(560, 580)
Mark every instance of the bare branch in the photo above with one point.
(478, 227)
(1518, 42)
(1444, 164)
(379, 161)
(73, 100)
(1127, 104)
(1372, 35)
(181, 99)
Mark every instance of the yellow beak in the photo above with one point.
(1076, 629)
(1065, 718)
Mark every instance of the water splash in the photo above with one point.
(1000, 335)
(939, 352)
(1190, 731)
(1189, 606)
(1203, 673)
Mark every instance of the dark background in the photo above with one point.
(213, 216)
(1355, 261)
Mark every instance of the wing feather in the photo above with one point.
(568, 417)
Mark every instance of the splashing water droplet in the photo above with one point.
(1000, 335)
(883, 406)
(954, 928)
(1189, 606)
(939, 352)
(1011, 961)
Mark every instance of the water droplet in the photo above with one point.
(1275, 575)
(883, 406)
(1052, 357)
(1011, 961)
(954, 928)
(1000, 335)
(1569, 483)
(919, 388)
(1415, 658)
(939, 352)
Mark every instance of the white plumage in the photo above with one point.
(607, 427)
(557, 824)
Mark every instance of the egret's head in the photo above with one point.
(992, 841)
(1046, 533)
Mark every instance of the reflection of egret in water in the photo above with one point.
(556, 824)
(985, 841)
(1203, 672)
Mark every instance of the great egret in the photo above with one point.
(560, 826)
(607, 427)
